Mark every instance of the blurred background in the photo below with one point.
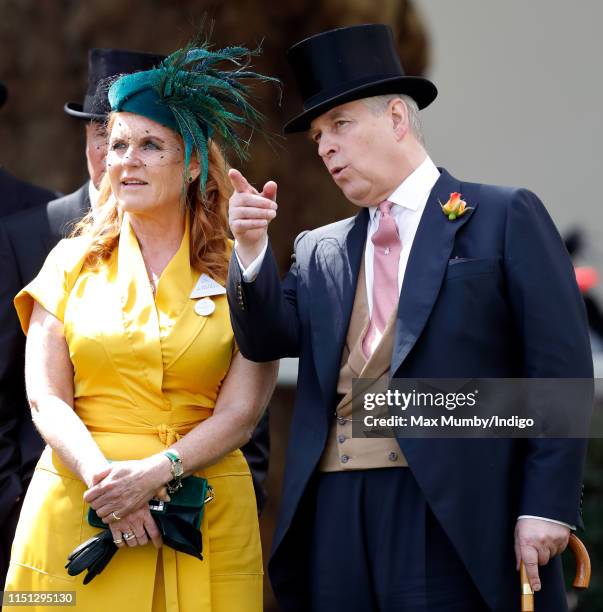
(520, 104)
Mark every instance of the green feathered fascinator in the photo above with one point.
(198, 93)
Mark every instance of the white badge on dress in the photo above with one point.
(207, 286)
(205, 307)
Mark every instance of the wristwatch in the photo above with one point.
(176, 468)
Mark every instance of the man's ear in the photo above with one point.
(399, 115)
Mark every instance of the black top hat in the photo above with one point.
(3, 94)
(102, 64)
(347, 64)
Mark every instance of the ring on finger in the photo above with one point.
(129, 535)
(116, 516)
(118, 541)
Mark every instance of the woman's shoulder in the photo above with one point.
(67, 257)
(52, 285)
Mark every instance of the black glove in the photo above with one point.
(93, 555)
(179, 534)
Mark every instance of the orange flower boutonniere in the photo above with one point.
(455, 207)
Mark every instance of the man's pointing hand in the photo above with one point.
(249, 214)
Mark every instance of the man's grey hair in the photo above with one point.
(378, 105)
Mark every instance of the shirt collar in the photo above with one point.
(414, 190)
(93, 194)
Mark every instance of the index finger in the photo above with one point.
(529, 554)
(240, 183)
(93, 493)
(150, 526)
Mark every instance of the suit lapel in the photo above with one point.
(63, 213)
(333, 276)
(426, 267)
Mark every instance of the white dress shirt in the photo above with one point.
(409, 200)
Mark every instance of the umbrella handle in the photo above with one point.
(581, 579)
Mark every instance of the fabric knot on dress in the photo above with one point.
(168, 435)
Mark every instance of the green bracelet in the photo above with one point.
(177, 470)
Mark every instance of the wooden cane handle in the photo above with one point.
(527, 595)
(581, 579)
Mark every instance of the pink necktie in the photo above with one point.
(386, 260)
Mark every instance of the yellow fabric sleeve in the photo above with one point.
(51, 287)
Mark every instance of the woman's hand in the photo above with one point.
(126, 485)
(135, 529)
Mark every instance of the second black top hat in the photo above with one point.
(102, 64)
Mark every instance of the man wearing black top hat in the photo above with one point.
(433, 278)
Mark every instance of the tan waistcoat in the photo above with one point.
(343, 452)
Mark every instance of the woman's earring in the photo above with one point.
(190, 179)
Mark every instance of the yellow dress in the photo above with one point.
(145, 372)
